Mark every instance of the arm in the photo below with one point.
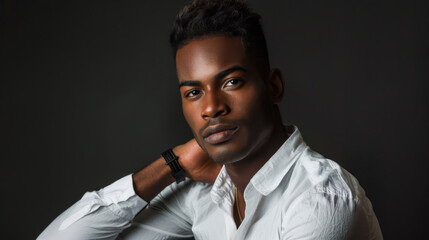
(105, 213)
(151, 180)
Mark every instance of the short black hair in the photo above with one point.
(234, 18)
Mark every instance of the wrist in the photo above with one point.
(171, 159)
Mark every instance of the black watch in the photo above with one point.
(176, 170)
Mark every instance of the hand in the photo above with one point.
(196, 162)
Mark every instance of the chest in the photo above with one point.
(263, 220)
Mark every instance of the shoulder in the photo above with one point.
(328, 202)
(183, 195)
(185, 191)
(322, 176)
(174, 203)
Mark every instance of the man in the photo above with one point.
(248, 175)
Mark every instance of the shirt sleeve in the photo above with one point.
(168, 216)
(326, 216)
(99, 214)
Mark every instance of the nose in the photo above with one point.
(214, 105)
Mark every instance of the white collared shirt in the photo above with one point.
(297, 194)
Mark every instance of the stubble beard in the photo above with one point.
(221, 158)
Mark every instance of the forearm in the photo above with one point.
(151, 180)
(105, 213)
(99, 214)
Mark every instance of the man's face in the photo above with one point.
(225, 97)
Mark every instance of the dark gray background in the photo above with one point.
(89, 94)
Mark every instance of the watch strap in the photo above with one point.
(172, 161)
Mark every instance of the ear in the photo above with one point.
(275, 85)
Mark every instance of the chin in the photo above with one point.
(223, 158)
(226, 154)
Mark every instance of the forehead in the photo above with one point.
(202, 57)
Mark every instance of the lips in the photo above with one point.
(216, 134)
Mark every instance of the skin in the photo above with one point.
(238, 98)
(222, 84)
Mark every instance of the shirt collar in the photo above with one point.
(269, 176)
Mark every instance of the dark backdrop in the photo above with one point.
(89, 94)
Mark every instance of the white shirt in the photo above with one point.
(297, 194)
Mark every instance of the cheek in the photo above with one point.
(186, 113)
(252, 104)
(190, 115)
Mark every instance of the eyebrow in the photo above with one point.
(190, 83)
(219, 75)
(228, 71)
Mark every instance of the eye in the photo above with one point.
(235, 82)
(192, 93)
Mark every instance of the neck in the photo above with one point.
(242, 171)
